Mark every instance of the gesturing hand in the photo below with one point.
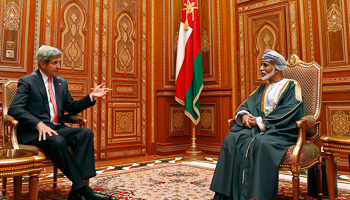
(99, 91)
(43, 130)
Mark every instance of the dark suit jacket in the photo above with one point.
(30, 104)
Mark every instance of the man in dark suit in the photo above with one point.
(39, 105)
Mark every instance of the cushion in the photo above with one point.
(309, 152)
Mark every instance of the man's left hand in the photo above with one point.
(99, 92)
(252, 121)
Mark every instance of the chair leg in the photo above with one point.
(330, 174)
(55, 172)
(295, 186)
(319, 179)
(17, 187)
(4, 182)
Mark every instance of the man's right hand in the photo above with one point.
(43, 130)
(249, 121)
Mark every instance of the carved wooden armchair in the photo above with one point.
(9, 89)
(303, 155)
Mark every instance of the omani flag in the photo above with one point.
(189, 73)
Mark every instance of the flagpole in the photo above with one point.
(193, 152)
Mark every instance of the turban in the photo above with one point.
(275, 58)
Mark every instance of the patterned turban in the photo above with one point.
(275, 58)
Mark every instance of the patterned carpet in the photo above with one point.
(165, 179)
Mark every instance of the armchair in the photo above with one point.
(303, 155)
(9, 89)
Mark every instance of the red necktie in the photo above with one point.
(53, 101)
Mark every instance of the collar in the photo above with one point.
(45, 78)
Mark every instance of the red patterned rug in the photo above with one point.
(160, 181)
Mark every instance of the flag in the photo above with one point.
(189, 73)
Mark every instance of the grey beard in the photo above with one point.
(268, 76)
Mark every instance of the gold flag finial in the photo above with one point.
(189, 10)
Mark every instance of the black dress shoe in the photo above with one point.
(98, 196)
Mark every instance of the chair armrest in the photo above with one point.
(296, 156)
(310, 120)
(231, 122)
(10, 130)
(75, 119)
(10, 121)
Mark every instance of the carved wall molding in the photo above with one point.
(337, 117)
(13, 35)
(334, 19)
(73, 37)
(11, 16)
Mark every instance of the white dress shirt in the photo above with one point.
(46, 82)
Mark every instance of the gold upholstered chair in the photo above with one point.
(9, 89)
(303, 155)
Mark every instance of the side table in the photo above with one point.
(18, 162)
(331, 145)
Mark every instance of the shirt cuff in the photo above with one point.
(92, 100)
(260, 123)
(239, 115)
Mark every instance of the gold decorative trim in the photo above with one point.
(310, 31)
(336, 87)
(26, 40)
(123, 153)
(110, 123)
(37, 32)
(348, 14)
(104, 75)
(302, 28)
(345, 34)
(334, 19)
(96, 74)
(219, 44)
(152, 78)
(233, 52)
(48, 23)
(262, 4)
(294, 28)
(144, 72)
(242, 56)
(297, 90)
(320, 31)
(11, 16)
(164, 49)
(298, 94)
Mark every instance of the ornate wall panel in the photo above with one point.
(338, 120)
(73, 37)
(207, 123)
(124, 120)
(126, 75)
(14, 24)
(263, 25)
(334, 34)
(178, 120)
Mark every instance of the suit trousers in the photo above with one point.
(79, 163)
